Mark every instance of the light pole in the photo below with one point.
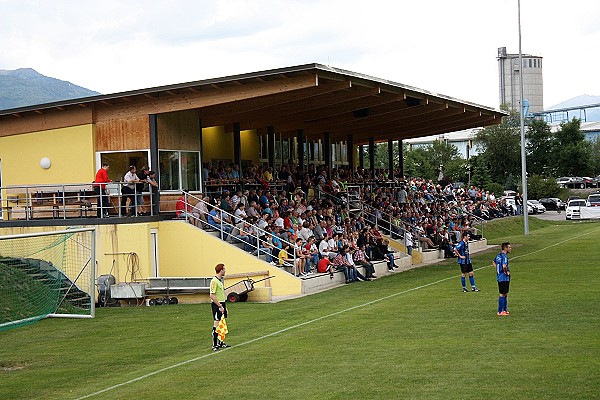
(522, 118)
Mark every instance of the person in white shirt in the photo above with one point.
(128, 192)
(408, 241)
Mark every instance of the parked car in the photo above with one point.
(537, 207)
(593, 200)
(571, 182)
(552, 203)
(573, 208)
(510, 202)
(590, 182)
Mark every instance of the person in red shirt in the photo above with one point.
(100, 190)
(325, 265)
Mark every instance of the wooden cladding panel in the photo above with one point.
(204, 98)
(123, 134)
(49, 119)
(179, 130)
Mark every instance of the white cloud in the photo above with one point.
(446, 47)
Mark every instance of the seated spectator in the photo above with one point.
(283, 256)
(361, 259)
(325, 265)
(246, 235)
(313, 252)
(216, 219)
(302, 257)
(200, 211)
(340, 262)
(352, 270)
(182, 209)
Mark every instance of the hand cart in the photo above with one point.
(239, 291)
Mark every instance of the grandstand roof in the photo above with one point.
(312, 97)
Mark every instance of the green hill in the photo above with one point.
(25, 87)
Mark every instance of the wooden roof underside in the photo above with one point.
(313, 97)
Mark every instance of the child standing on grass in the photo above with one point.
(503, 277)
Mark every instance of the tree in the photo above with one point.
(572, 154)
(417, 163)
(539, 148)
(480, 176)
(500, 149)
(596, 155)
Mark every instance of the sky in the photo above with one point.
(446, 47)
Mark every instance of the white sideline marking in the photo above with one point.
(312, 321)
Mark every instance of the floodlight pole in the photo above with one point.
(522, 119)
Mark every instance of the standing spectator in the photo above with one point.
(218, 306)
(140, 187)
(464, 261)
(408, 241)
(100, 190)
(154, 193)
(128, 192)
(503, 277)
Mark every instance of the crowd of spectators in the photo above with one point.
(271, 212)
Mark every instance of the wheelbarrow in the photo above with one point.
(239, 291)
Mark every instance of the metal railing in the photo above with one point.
(371, 216)
(62, 201)
(260, 240)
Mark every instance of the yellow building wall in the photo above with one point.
(70, 150)
(250, 146)
(218, 144)
(125, 251)
(185, 250)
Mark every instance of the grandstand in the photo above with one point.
(292, 130)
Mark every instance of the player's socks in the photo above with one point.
(505, 302)
(215, 337)
(463, 281)
(472, 280)
(500, 304)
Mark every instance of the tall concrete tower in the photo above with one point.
(510, 73)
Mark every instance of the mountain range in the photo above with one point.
(25, 87)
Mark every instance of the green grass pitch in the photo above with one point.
(411, 335)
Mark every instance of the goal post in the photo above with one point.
(47, 274)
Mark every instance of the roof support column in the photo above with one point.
(327, 151)
(271, 146)
(361, 156)
(391, 158)
(400, 159)
(372, 156)
(300, 139)
(237, 146)
(154, 162)
(350, 153)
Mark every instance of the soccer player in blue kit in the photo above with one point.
(464, 260)
(503, 277)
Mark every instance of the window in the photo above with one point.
(121, 160)
(530, 63)
(179, 170)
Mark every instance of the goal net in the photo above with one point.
(46, 274)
